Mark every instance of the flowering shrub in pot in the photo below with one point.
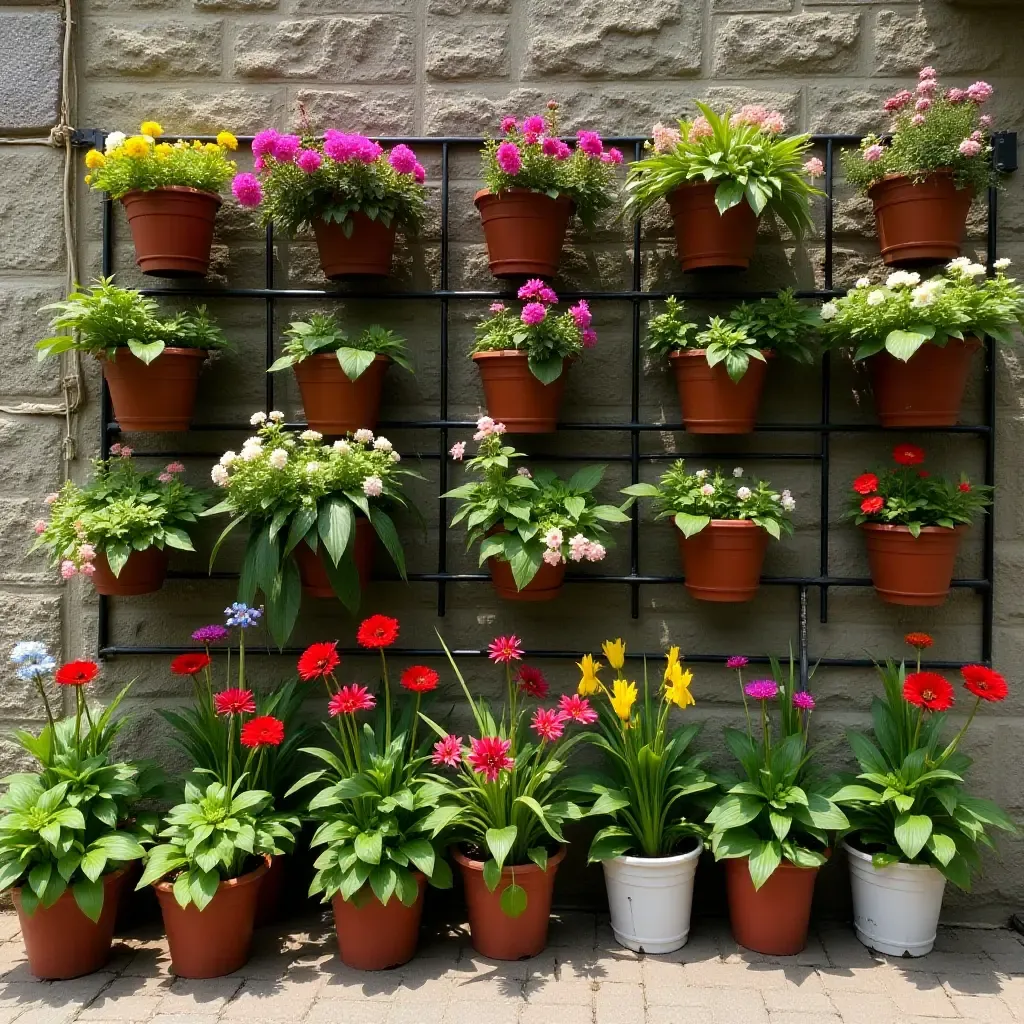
(536, 182)
(913, 523)
(347, 188)
(170, 193)
(918, 337)
(720, 370)
(724, 525)
(719, 173)
(924, 174)
(912, 826)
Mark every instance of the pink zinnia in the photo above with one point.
(548, 724)
(589, 338)
(532, 682)
(762, 689)
(535, 124)
(873, 153)
(803, 700)
(509, 124)
(234, 702)
(737, 661)
(531, 289)
(309, 160)
(447, 751)
(285, 148)
(509, 159)
(590, 143)
(350, 699)
(979, 92)
(419, 173)
(264, 142)
(550, 146)
(505, 649)
(581, 314)
(247, 189)
(956, 95)
(403, 159)
(533, 313)
(577, 708)
(489, 757)
(969, 147)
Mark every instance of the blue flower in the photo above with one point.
(240, 614)
(33, 660)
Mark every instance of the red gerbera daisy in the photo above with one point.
(489, 757)
(908, 454)
(189, 664)
(77, 673)
(532, 682)
(985, 682)
(928, 690)
(869, 506)
(548, 723)
(918, 640)
(318, 660)
(866, 483)
(265, 731)
(377, 631)
(234, 702)
(350, 699)
(419, 679)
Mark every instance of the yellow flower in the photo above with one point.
(211, 147)
(151, 128)
(196, 144)
(136, 146)
(88, 179)
(589, 684)
(94, 158)
(671, 662)
(163, 149)
(677, 687)
(623, 698)
(227, 140)
(615, 652)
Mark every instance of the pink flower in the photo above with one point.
(549, 146)
(985, 120)
(970, 148)
(497, 307)
(264, 142)
(749, 113)
(533, 313)
(926, 86)
(803, 700)
(589, 337)
(590, 143)
(577, 709)
(86, 552)
(505, 649)
(814, 167)
(531, 138)
(918, 120)
(458, 450)
(956, 95)
(247, 189)
(125, 452)
(581, 314)
(484, 428)
(563, 151)
(873, 153)
(447, 751)
(553, 556)
(761, 689)
(340, 146)
(531, 681)
(578, 547)
(258, 164)
(774, 123)
(923, 104)
(509, 159)
(489, 757)
(51, 498)
(927, 72)
(419, 173)
(666, 138)
(595, 552)
(373, 486)
(174, 467)
(165, 478)
(612, 156)
(40, 526)
(285, 148)
(88, 569)
(535, 124)
(898, 102)
(350, 699)
(508, 124)
(979, 92)
(403, 159)
(548, 724)
(67, 569)
(309, 160)
(535, 288)
(553, 538)
(737, 661)
(977, 135)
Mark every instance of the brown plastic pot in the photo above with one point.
(333, 403)
(154, 397)
(707, 239)
(373, 936)
(315, 580)
(515, 397)
(920, 222)
(927, 389)
(773, 919)
(723, 562)
(213, 942)
(367, 252)
(143, 573)
(912, 570)
(493, 933)
(268, 902)
(61, 942)
(711, 401)
(545, 586)
(172, 227)
(525, 231)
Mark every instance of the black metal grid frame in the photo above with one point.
(1004, 157)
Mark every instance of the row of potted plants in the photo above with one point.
(395, 789)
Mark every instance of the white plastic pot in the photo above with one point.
(650, 899)
(895, 908)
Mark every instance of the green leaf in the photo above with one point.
(421, 853)
(586, 479)
(354, 362)
(642, 491)
(764, 861)
(492, 874)
(575, 506)
(734, 810)
(301, 523)
(383, 880)
(385, 528)
(539, 856)
(145, 351)
(546, 370)
(368, 847)
(93, 864)
(336, 524)
(911, 832)
(500, 842)
(89, 897)
(689, 524)
(513, 900)
(541, 815)
(942, 847)
(344, 579)
(266, 561)
(903, 344)
(283, 603)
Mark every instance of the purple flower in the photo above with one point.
(209, 634)
(309, 160)
(419, 172)
(533, 313)
(285, 147)
(264, 142)
(403, 159)
(339, 146)
(803, 700)
(761, 689)
(247, 189)
(535, 124)
(590, 143)
(508, 158)
(581, 314)
(509, 124)
(737, 661)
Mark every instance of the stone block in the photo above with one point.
(376, 112)
(750, 6)
(235, 6)
(856, 111)
(27, 615)
(31, 220)
(169, 48)
(30, 69)
(31, 447)
(801, 44)
(21, 326)
(456, 50)
(955, 43)
(468, 6)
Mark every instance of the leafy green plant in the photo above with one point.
(322, 333)
(782, 324)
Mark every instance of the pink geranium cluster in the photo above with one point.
(770, 121)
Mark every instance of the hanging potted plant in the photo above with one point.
(536, 182)
(923, 176)
(523, 359)
(64, 850)
(918, 337)
(340, 378)
(913, 523)
(724, 526)
(170, 193)
(912, 826)
(528, 523)
(718, 174)
(347, 188)
(116, 529)
(773, 827)
(506, 807)
(720, 370)
(313, 510)
(655, 794)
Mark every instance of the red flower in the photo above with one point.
(234, 702)
(928, 690)
(189, 664)
(77, 673)
(984, 682)
(265, 731)
(908, 454)
(318, 660)
(963, 486)
(505, 649)
(489, 757)
(532, 682)
(577, 708)
(918, 640)
(447, 751)
(869, 506)
(350, 699)
(866, 483)
(419, 679)
(377, 631)
(548, 723)
(923, 474)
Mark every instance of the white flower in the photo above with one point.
(923, 296)
(219, 475)
(312, 467)
(257, 419)
(553, 538)
(278, 458)
(523, 471)
(253, 442)
(250, 453)
(974, 270)
(700, 474)
(788, 504)
(276, 417)
(876, 298)
(829, 310)
(1002, 264)
(743, 493)
(363, 436)
(959, 263)
(707, 490)
(114, 139)
(342, 446)
(737, 471)
(311, 435)
(900, 278)
(372, 486)
(227, 458)
(382, 444)
(863, 282)
(395, 457)
(578, 546)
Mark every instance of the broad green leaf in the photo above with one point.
(89, 897)
(492, 875)
(911, 832)
(689, 524)
(500, 842)
(763, 862)
(513, 900)
(335, 525)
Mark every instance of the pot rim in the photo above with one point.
(941, 172)
(378, 356)
(727, 524)
(897, 528)
(136, 192)
(169, 350)
(680, 353)
(231, 883)
(785, 865)
(971, 341)
(676, 858)
(528, 868)
(420, 877)
(111, 875)
(860, 855)
(486, 192)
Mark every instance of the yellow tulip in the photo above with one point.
(94, 158)
(677, 687)
(615, 652)
(623, 698)
(136, 146)
(227, 140)
(589, 684)
(151, 128)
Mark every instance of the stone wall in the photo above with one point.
(454, 67)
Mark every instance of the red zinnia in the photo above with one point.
(869, 506)
(866, 483)
(489, 757)
(234, 702)
(928, 690)
(419, 679)
(189, 664)
(350, 699)
(77, 673)
(318, 660)
(265, 731)
(908, 454)
(985, 682)
(532, 682)
(377, 631)
(918, 640)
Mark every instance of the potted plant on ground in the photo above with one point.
(170, 193)
(506, 807)
(720, 370)
(151, 364)
(773, 826)
(913, 523)
(718, 174)
(656, 795)
(912, 826)
(923, 175)
(724, 525)
(918, 337)
(523, 359)
(528, 523)
(116, 529)
(65, 847)
(347, 188)
(535, 183)
(340, 378)
(313, 510)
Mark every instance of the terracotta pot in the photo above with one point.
(155, 397)
(333, 403)
(711, 401)
(373, 936)
(61, 942)
(366, 252)
(707, 239)
(524, 230)
(493, 933)
(215, 941)
(172, 227)
(143, 573)
(927, 389)
(515, 397)
(268, 901)
(315, 580)
(545, 586)
(723, 561)
(773, 919)
(920, 223)
(912, 570)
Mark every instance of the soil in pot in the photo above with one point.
(315, 580)
(155, 397)
(707, 239)
(723, 562)
(333, 403)
(493, 933)
(143, 573)
(912, 570)
(524, 230)
(172, 228)
(711, 401)
(367, 251)
(515, 397)
(373, 936)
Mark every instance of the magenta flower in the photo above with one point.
(535, 124)
(489, 757)
(247, 189)
(505, 649)
(761, 689)
(581, 314)
(737, 661)
(589, 338)
(562, 151)
(369, 150)
(548, 724)
(419, 173)
(590, 143)
(531, 138)
(309, 160)
(497, 307)
(577, 709)
(533, 313)
(509, 159)
(550, 146)
(403, 159)
(447, 751)
(210, 634)
(285, 148)
(873, 153)
(508, 124)
(264, 142)
(531, 681)
(532, 289)
(803, 700)
(612, 156)
(979, 92)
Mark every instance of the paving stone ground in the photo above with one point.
(582, 978)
